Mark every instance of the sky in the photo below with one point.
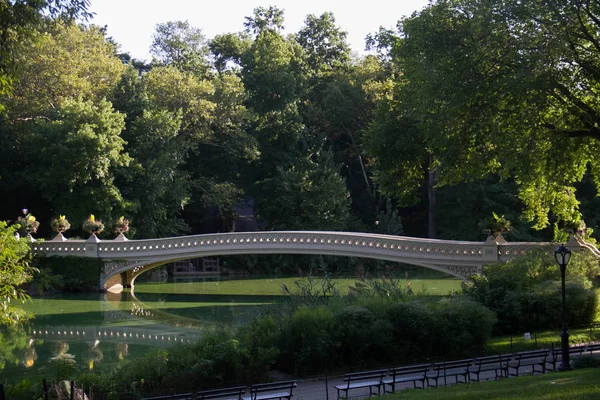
(132, 22)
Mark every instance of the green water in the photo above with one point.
(97, 331)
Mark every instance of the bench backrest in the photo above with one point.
(527, 355)
(410, 370)
(179, 396)
(592, 347)
(272, 386)
(444, 365)
(489, 360)
(360, 376)
(231, 392)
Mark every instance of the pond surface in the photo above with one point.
(99, 330)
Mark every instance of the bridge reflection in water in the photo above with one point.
(129, 335)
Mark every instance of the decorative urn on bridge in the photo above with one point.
(60, 225)
(121, 227)
(93, 226)
(495, 226)
(28, 224)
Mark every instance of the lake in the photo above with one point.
(99, 330)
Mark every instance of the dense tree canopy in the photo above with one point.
(494, 88)
(469, 107)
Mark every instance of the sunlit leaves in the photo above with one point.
(15, 270)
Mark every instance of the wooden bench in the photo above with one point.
(273, 390)
(446, 369)
(591, 348)
(498, 364)
(555, 354)
(412, 373)
(230, 393)
(180, 396)
(533, 359)
(359, 380)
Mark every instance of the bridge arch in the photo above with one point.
(124, 260)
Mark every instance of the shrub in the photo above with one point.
(525, 293)
(306, 344)
(363, 338)
(260, 339)
(414, 330)
(586, 361)
(463, 326)
(69, 274)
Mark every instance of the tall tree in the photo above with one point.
(72, 159)
(492, 87)
(19, 19)
(181, 45)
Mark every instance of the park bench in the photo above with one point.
(360, 380)
(446, 369)
(411, 373)
(591, 348)
(555, 354)
(524, 359)
(497, 363)
(272, 390)
(180, 396)
(229, 393)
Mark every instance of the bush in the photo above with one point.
(585, 361)
(260, 339)
(525, 293)
(306, 344)
(446, 328)
(67, 274)
(414, 330)
(463, 327)
(362, 338)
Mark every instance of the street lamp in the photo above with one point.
(562, 256)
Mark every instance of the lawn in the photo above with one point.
(513, 344)
(272, 286)
(574, 385)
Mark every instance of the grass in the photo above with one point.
(512, 344)
(574, 385)
(272, 286)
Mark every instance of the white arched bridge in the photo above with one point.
(124, 259)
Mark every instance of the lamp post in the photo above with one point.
(562, 256)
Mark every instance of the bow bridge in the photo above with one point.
(124, 259)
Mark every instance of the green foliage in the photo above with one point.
(388, 288)
(179, 44)
(586, 361)
(307, 345)
(363, 338)
(475, 114)
(68, 274)
(15, 271)
(218, 358)
(388, 221)
(308, 196)
(82, 149)
(526, 296)
(24, 390)
(311, 291)
(496, 225)
(46, 282)
(19, 21)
